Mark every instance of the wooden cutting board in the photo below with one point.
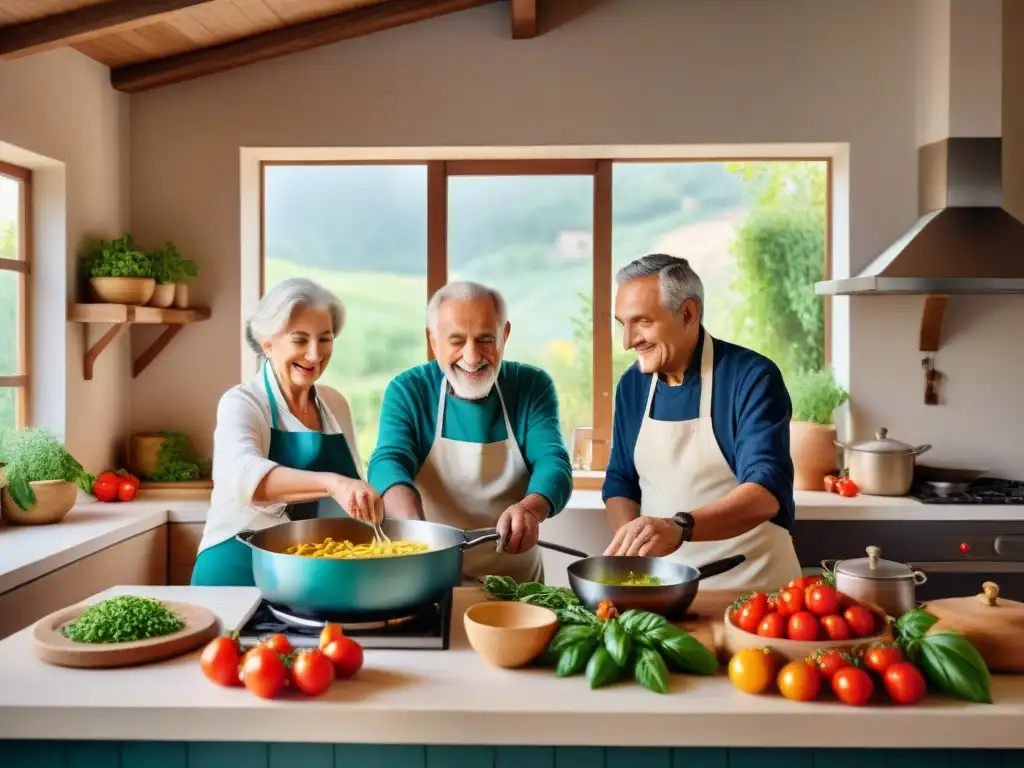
(201, 626)
(994, 625)
(704, 620)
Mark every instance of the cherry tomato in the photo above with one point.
(752, 670)
(772, 625)
(852, 686)
(312, 672)
(830, 661)
(799, 681)
(791, 601)
(904, 683)
(346, 655)
(804, 582)
(264, 672)
(126, 490)
(105, 487)
(836, 627)
(329, 633)
(606, 610)
(860, 619)
(846, 487)
(751, 611)
(278, 643)
(879, 658)
(803, 626)
(822, 600)
(220, 660)
(830, 483)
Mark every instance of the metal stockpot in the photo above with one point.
(890, 585)
(883, 466)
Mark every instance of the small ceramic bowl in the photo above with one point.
(509, 634)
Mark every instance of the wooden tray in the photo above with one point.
(993, 624)
(201, 626)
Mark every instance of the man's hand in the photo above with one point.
(519, 528)
(646, 537)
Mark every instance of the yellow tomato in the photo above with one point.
(752, 670)
(799, 681)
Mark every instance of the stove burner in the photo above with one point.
(296, 618)
(987, 490)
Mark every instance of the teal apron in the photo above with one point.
(229, 564)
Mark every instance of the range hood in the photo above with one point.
(964, 242)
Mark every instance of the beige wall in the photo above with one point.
(625, 72)
(60, 106)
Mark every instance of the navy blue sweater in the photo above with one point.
(750, 413)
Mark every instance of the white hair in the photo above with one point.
(676, 279)
(277, 305)
(465, 290)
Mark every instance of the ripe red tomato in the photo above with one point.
(264, 672)
(846, 487)
(904, 683)
(105, 487)
(879, 658)
(803, 626)
(831, 661)
(220, 660)
(860, 619)
(791, 601)
(751, 611)
(312, 672)
(346, 655)
(799, 681)
(279, 644)
(804, 582)
(852, 686)
(772, 625)
(126, 490)
(822, 600)
(836, 627)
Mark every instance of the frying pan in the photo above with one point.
(672, 599)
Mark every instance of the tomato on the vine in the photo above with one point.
(753, 608)
(772, 625)
(804, 582)
(878, 658)
(860, 619)
(278, 643)
(836, 627)
(790, 601)
(312, 672)
(264, 672)
(822, 600)
(904, 683)
(803, 626)
(220, 661)
(799, 681)
(830, 661)
(846, 487)
(852, 686)
(346, 655)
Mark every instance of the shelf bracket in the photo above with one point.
(931, 322)
(154, 349)
(94, 351)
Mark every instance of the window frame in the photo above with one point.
(602, 172)
(21, 381)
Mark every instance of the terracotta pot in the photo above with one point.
(123, 290)
(181, 295)
(54, 499)
(163, 296)
(814, 454)
(143, 453)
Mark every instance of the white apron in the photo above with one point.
(681, 468)
(469, 485)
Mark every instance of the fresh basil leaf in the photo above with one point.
(685, 653)
(529, 588)
(650, 670)
(602, 668)
(955, 667)
(577, 614)
(574, 658)
(501, 587)
(914, 624)
(618, 642)
(571, 634)
(640, 623)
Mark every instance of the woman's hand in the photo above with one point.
(358, 499)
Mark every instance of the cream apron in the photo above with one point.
(469, 485)
(681, 468)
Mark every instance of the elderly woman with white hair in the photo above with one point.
(282, 434)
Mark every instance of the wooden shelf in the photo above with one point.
(121, 316)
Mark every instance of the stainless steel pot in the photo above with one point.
(889, 585)
(883, 466)
(364, 587)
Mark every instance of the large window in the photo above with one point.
(14, 283)
(550, 235)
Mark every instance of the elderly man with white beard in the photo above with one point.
(472, 441)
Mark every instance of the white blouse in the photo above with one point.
(241, 444)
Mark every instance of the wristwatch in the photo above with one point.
(685, 522)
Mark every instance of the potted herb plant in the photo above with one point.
(163, 260)
(41, 478)
(119, 272)
(812, 431)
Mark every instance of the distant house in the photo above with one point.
(574, 245)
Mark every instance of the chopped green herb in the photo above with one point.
(123, 619)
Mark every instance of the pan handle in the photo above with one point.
(245, 536)
(720, 566)
(564, 550)
(483, 535)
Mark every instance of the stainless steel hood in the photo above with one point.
(964, 242)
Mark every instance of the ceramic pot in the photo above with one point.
(812, 447)
(163, 296)
(181, 295)
(123, 290)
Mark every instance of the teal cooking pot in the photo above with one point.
(362, 587)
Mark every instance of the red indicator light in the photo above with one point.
(965, 548)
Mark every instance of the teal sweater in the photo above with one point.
(408, 422)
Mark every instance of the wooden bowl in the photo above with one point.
(54, 499)
(123, 290)
(735, 639)
(508, 633)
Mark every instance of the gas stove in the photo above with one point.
(986, 490)
(426, 628)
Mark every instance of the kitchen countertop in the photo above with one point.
(452, 697)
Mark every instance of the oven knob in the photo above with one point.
(965, 548)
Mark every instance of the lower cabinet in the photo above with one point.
(141, 559)
(183, 539)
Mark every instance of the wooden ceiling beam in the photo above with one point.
(524, 19)
(73, 26)
(282, 42)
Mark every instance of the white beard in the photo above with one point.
(471, 390)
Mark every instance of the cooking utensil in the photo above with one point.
(883, 466)
(885, 583)
(671, 599)
(365, 586)
(994, 625)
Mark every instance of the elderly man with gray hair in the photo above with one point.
(472, 440)
(700, 469)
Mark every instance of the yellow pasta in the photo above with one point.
(346, 550)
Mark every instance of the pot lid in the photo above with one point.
(874, 567)
(882, 444)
